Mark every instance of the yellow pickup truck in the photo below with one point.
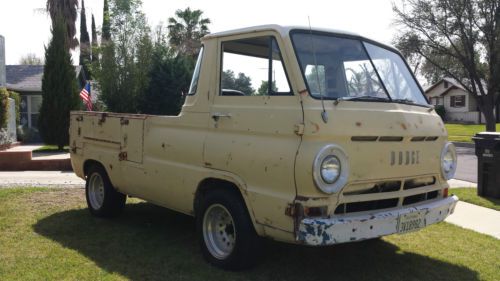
(306, 136)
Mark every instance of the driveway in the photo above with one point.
(467, 164)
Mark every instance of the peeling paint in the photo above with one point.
(328, 231)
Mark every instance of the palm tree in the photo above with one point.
(186, 30)
(68, 10)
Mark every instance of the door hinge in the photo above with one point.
(299, 129)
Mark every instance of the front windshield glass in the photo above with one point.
(341, 68)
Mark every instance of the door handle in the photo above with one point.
(217, 115)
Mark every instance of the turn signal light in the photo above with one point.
(445, 192)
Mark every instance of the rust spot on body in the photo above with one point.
(403, 126)
(316, 127)
(358, 124)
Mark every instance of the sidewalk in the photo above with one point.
(459, 183)
(477, 218)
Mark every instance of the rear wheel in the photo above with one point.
(225, 231)
(102, 198)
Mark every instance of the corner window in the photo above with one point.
(457, 101)
(253, 67)
(196, 74)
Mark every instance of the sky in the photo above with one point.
(26, 26)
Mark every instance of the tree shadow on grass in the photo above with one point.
(152, 243)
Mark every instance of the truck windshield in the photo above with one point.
(351, 69)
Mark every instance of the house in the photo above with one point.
(459, 104)
(27, 81)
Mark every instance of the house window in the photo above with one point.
(457, 101)
(29, 110)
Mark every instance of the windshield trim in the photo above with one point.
(362, 40)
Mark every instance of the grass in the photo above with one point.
(464, 133)
(49, 235)
(51, 149)
(470, 195)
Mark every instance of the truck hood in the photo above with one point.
(382, 140)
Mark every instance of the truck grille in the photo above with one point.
(390, 194)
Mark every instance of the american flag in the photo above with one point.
(85, 95)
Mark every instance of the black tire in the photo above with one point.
(246, 242)
(110, 202)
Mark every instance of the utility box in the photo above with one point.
(488, 156)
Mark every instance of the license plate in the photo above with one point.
(411, 222)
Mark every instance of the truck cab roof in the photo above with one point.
(285, 30)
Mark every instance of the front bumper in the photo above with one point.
(329, 231)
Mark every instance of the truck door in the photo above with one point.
(252, 129)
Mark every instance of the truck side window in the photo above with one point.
(196, 74)
(253, 67)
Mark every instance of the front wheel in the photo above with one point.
(225, 231)
(102, 198)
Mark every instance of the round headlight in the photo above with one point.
(448, 161)
(330, 169)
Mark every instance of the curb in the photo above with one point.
(464, 144)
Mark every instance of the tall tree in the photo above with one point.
(30, 59)
(169, 77)
(106, 23)
(464, 34)
(239, 82)
(67, 9)
(264, 88)
(186, 30)
(59, 89)
(126, 57)
(84, 39)
(95, 44)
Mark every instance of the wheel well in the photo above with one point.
(211, 184)
(89, 163)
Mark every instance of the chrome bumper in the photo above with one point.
(329, 231)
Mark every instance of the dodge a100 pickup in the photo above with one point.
(331, 141)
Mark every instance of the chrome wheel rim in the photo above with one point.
(96, 191)
(219, 232)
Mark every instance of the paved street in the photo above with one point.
(467, 164)
(40, 178)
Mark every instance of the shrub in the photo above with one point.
(441, 112)
(4, 107)
(17, 99)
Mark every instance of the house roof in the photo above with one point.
(454, 84)
(24, 78)
(27, 78)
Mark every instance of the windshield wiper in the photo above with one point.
(407, 101)
(363, 98)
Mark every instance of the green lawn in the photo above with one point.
(51, 149)
(49, 235)
(470, 195)
(464, 133)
